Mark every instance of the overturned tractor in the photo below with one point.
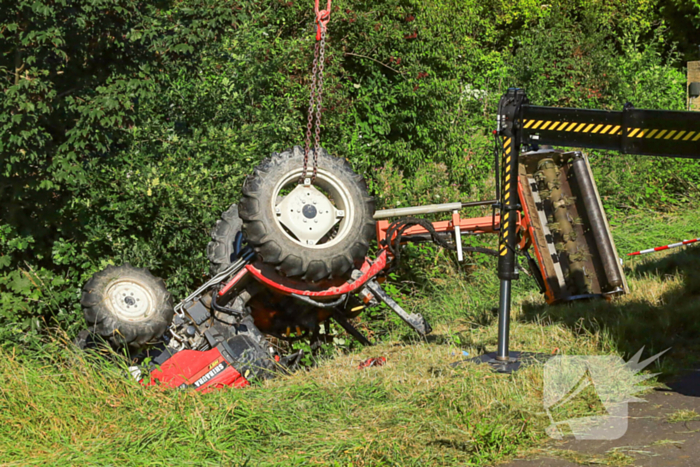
(292, 254)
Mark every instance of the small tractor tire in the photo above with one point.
(333, 256)
(220, 249)
(127, 306)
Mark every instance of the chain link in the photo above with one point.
(319, 102)
(315, 102)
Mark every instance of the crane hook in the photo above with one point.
(322, 18)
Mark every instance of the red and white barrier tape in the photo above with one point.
(665, 247)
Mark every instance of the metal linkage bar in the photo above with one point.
(352, 330)
(415, 320)
(428, 209)
(416, 210)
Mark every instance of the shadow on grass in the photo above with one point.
(661, 311)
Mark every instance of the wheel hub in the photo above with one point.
(130, 300)
(309, 211)
(308, 214)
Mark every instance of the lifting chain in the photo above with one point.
(316, 97)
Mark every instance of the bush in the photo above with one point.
(126, 127)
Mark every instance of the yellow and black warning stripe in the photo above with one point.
(632, 131)
(612, 130)
(507, 170)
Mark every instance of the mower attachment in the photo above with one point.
(565, 221)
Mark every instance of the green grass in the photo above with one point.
(683, 415)
(66, 408)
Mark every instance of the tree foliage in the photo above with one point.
(126, 126)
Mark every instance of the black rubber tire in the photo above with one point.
(273, 246)
(220, 249)
(102, 320)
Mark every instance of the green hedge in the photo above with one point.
(126, 127)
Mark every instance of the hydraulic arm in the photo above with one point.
(631, 131)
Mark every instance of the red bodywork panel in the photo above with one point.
(204, 371)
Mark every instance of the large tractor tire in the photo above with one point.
(220, 250)
(127, 306)
(318, 231)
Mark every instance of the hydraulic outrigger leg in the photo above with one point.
(509, 209)
(509, 135)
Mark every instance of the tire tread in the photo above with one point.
(268, 240)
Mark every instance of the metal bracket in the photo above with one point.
(624, 139)
(458, 240)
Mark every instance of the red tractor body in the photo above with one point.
(202, 370)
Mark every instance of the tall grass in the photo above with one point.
(63, 407)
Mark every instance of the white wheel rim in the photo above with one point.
(340, 198)
(130, 300)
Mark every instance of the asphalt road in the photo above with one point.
(650, 439)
